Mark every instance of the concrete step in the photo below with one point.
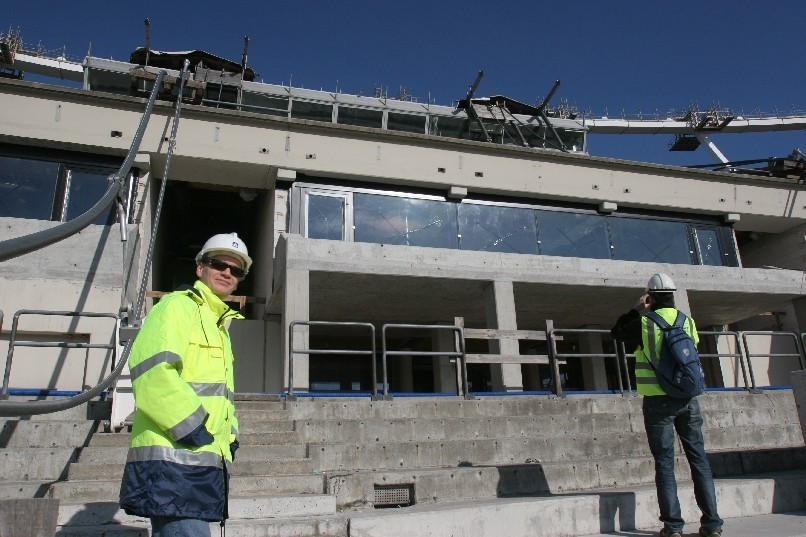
(275, 467)
(50, 463)
(792, 524)
(103, 455)
(580, 514)
(509, 406)
(14, 490)
(255, 438)
(264, 426)
(240, 508)
(334, 456)
(261, 414)
(320, 526)
(420, 429)
(46, 434)
(102, 490)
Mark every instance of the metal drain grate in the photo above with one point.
(399, 495)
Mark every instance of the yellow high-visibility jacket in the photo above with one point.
(651, 338)
(181, 367)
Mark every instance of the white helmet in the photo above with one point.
(660, 283)
(226, 243)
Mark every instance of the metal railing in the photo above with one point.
(13, 342)
(461, 363)
(738, 355)
(798, 343)
(292, 351)
(620, 359)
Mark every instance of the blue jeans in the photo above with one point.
(168, 526)
(663, 416)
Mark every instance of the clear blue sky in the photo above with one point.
(612, 57)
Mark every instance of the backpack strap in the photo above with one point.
(658, 320)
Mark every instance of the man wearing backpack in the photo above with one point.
(664, 414)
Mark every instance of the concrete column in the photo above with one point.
(681, 302)
(499, 305)
(296, 307)
(402, 373)
(799, 304)
(445, 375)
(594, 375)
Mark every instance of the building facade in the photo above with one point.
(379, 211)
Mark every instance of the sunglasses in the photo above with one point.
(221, 266)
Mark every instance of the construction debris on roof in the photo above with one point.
(175, 60)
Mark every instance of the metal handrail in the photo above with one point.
(12, 342)
(739, 354)
(292, 351)
(615, 354)
(460, 354)
(749, 355)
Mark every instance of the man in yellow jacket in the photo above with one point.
(664, 415)
(185, 433)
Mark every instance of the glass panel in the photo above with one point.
(265, 104)
(449, 127)
(405, 123)
(312, 111)
(86, 188)
(649, 240)
(412, 222)
(109, 82)
(361, 117)
(708, 246)
(325, 217)
(27, 188)
(573, 235)
(489, 228)
(221, 95)
(573, 140)
(729, 245)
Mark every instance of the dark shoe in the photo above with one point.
(705, 533)
(669, 533)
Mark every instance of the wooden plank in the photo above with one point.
(492, 333)
(507, 358)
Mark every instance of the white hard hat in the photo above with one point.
(226, 243)
(660, 283)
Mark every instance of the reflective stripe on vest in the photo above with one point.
(153, 361)
(189, 424)
(177, 456)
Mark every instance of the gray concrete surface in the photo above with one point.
(798, 381)
(773, 525)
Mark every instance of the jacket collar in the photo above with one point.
(203, 295)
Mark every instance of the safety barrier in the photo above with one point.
(619, 358)
(13, 342)
(798, 344)
(738, 355)
(461, 363)
(292, 351)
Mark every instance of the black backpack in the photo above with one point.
(679, 371)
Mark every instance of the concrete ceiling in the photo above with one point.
(405, 299)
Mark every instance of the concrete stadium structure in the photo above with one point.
(485, 227)
(377, 225)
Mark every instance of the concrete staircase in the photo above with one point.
(516, 465)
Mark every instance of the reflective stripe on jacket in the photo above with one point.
(651, 339)
(181, 369)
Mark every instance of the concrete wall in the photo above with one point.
(306, 279)
(212, 141)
